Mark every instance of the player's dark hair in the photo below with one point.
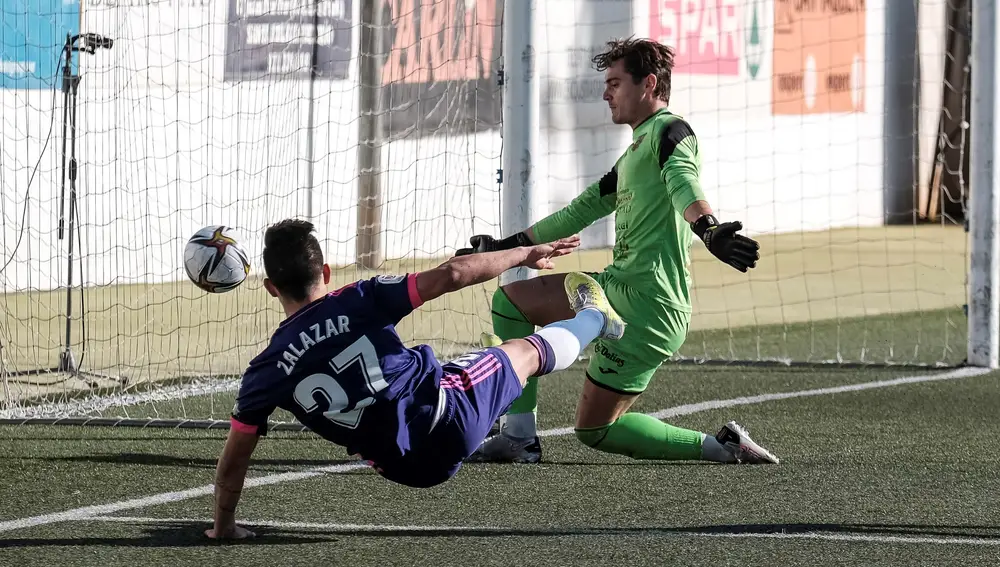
(642, 57)
(293, 259)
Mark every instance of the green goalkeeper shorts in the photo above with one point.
(653, 333)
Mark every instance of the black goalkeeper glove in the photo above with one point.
(725, 244)
(486, 243)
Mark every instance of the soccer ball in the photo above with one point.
(214, 259)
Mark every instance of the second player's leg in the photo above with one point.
(618, 373)
(599, 406)
(621, 370)
(558, 345)
(524, 359)
(482, 385)
(603, 422)
(516, 309)
(540, 300)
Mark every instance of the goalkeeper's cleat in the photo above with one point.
(735, 439)
(503, 448)
(584, 292)
(489, 340)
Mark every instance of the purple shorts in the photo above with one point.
(479, 387)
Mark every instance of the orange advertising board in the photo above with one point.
(819, 57)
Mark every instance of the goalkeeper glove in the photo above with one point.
(722, 241)
(486, 243)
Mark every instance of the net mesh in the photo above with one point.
(381, 122)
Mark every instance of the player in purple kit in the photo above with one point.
(337, 364)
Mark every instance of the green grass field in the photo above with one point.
(886, 474)
(881, 465)
(871, 295)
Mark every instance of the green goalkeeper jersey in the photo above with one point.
(648, 189)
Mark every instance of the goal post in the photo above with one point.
(403, 127)
(520, 131)
(984, 204)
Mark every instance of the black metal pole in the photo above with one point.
(66, 79)
(66, 362)
(70, 169)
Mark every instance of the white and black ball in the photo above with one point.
(215, 260)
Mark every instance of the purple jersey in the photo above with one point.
(340, 368)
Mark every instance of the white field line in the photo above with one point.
(166, 497)
(688, 409)
(294, 525)
(499, 531)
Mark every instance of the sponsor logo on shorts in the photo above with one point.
(603, 351)
(607, 370)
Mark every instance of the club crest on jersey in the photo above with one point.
(635, 144)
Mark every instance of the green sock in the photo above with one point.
(510, 323)
(640, 436)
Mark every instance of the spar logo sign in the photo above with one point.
(710, 37)
(754, 44)
(704, 33)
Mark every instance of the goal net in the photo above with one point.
(381, 122)
(850, 171)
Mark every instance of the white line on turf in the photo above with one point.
(688, 409)
(291, 525)
(156, 499)
(494, 530)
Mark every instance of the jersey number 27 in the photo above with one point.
(329, 387)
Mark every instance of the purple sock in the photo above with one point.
(547, 358)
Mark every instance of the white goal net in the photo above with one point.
(381, 122)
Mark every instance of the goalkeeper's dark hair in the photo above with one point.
(642, 57)
(293, 259)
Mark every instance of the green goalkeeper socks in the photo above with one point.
(640, 436)
(510, 323)
(634, 434)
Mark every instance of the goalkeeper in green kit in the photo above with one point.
(659, 207)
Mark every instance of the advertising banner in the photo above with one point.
(819, 54)
(32, 40)
(441, 72)
(275, 39)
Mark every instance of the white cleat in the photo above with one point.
(735, 439)
(502, 448)
(584, 292)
